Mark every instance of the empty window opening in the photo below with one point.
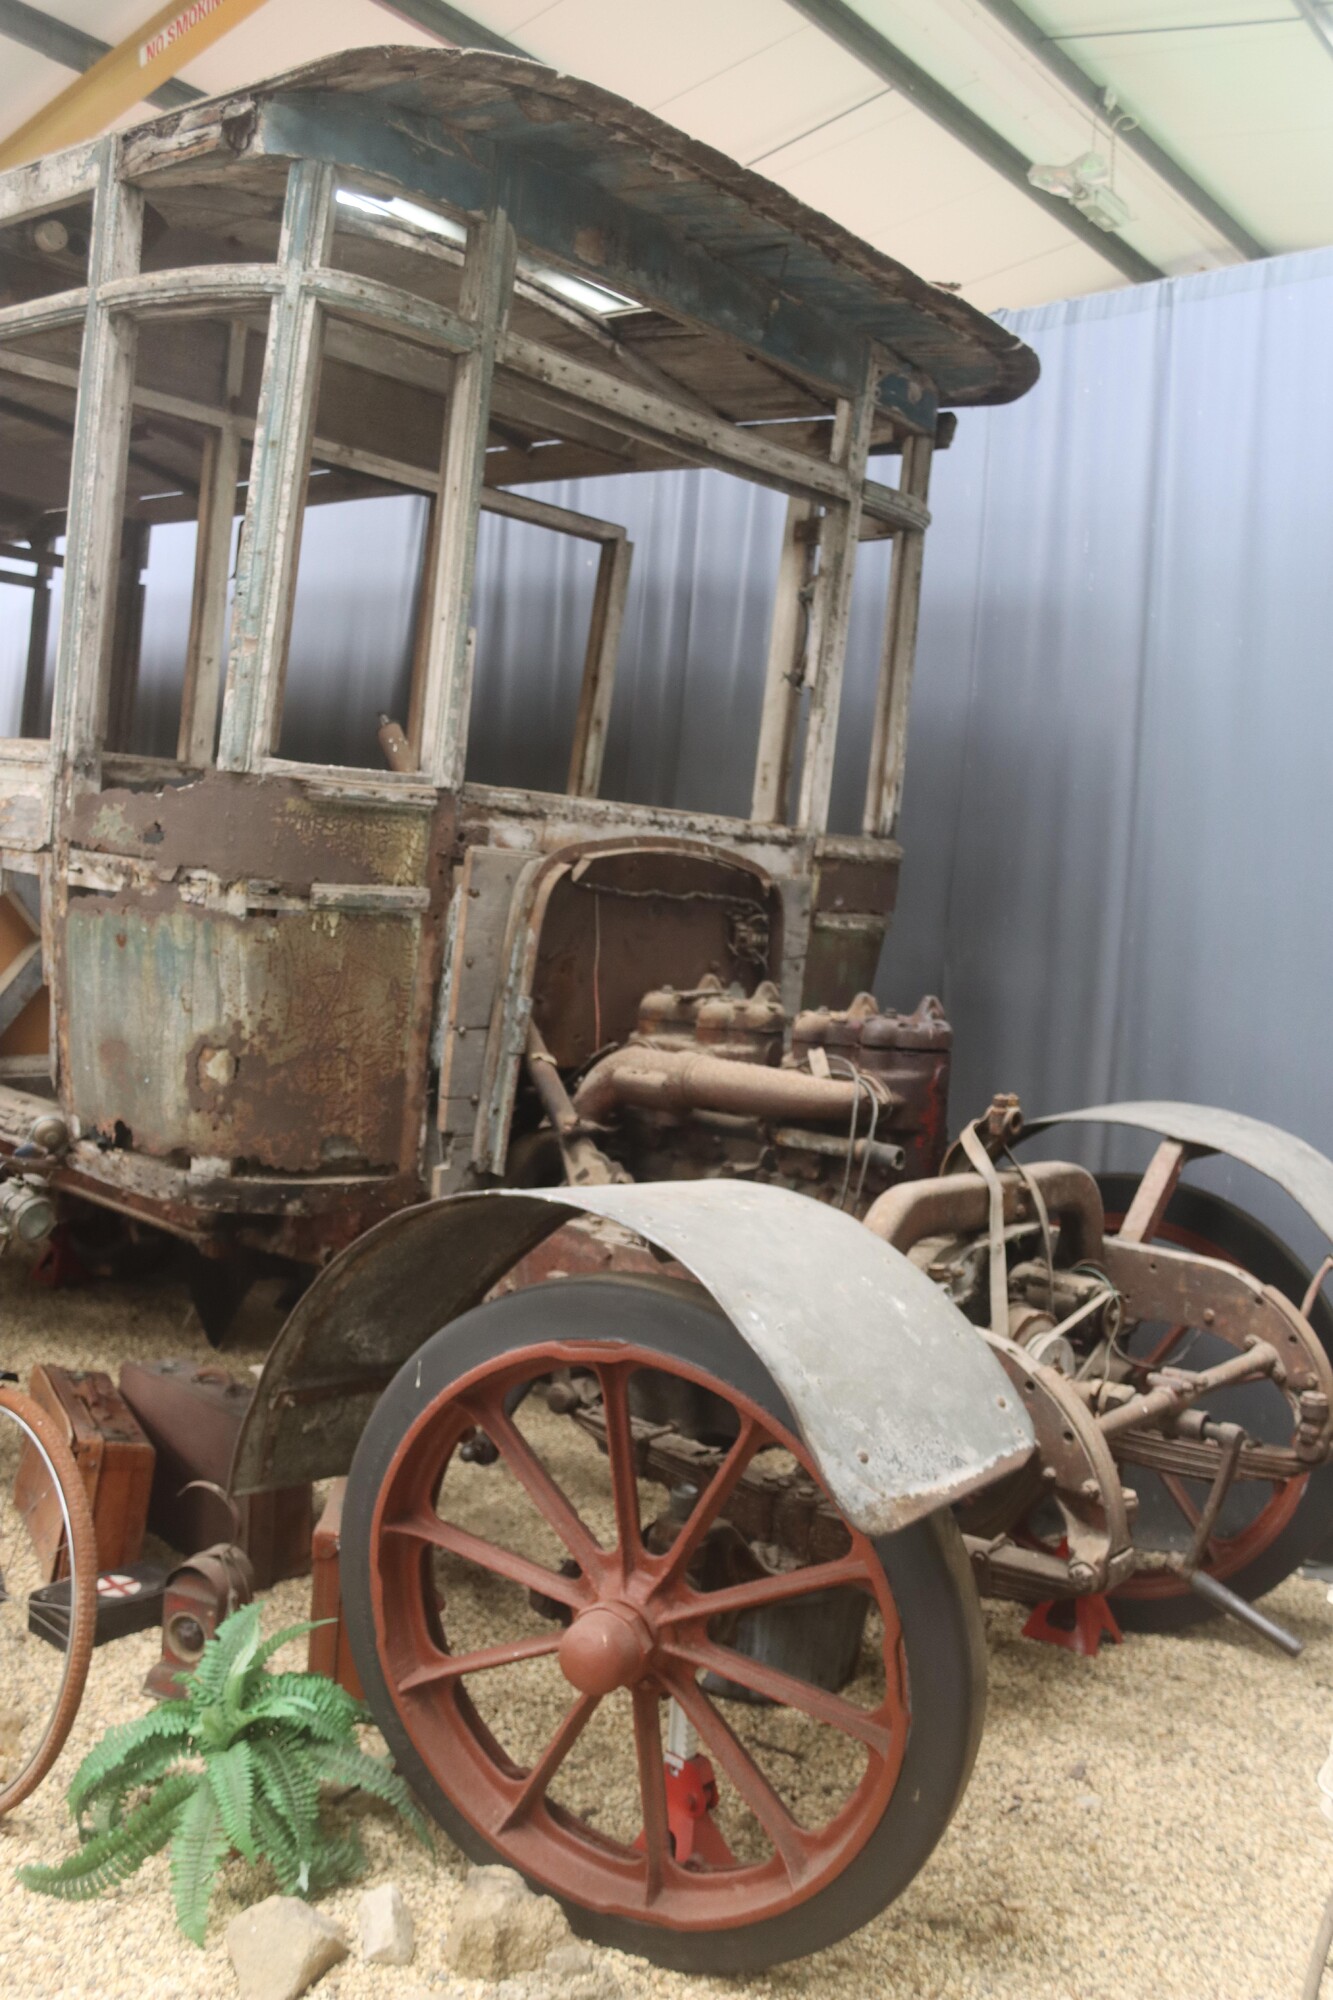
(186, 479)
(548, 608)
(45, 254)
(352, 653)
(38, 393)
(357, 636)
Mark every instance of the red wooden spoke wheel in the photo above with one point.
(521, 1628)
(1266, 1529)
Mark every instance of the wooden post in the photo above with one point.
(599, 669)
(275, 503)
(488, 277)
(212, 562)
(833, 600)
(97, 470)
(430, 556)
(888, 743)
(788, 650)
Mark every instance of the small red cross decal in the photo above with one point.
(113, 1584)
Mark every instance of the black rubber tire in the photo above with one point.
(1242, 1241)
(925, 1565)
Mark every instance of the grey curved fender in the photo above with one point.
(899, 1399)
(1296, 1167)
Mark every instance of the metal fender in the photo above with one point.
(1304, 1174)
(900, 1401)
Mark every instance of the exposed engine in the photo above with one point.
(712, 1082)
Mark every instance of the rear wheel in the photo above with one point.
(537, 1624)
(1266, 1529)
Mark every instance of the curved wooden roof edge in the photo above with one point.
(570, 125)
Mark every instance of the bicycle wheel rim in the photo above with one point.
(42, 1506)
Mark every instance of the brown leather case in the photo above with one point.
(193, 1415)
(329, 1652)
(111, 1452)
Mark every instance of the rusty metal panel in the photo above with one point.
(1296, 1167)
(851, 903)
(902, 1404)
(279, 1040)
(273, 829)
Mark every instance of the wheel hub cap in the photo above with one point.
(606, 1647)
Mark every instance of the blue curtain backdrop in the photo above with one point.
(1117, 819)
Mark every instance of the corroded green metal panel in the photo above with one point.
(279, 1041)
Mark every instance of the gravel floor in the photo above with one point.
(1143, 1826)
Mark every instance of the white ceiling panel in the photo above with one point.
(654, 54)
(286, 33)
(771, 99)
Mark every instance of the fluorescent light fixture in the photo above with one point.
(409, 212)
(581, 292)
(584, 293)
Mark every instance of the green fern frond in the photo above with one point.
(312, 1704)
(102, 1806)
(198, 1847)
(289, 1781)
(280, 1848)
(231, 1775)
(229, 1652)
(122, 1746)
(335, 1859)
(114, 1856)
(281, 1639)
(345, 1764)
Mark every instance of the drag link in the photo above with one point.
(1174, 1390)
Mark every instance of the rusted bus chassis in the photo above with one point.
(688, 1383)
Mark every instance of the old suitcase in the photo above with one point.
(192, 1414)
(111, 1452)
(329, 1652)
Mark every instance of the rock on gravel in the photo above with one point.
(500, 1928)
(280, 1947)
(384, 1923)
(570, 1972)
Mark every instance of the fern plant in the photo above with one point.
(237, 1762)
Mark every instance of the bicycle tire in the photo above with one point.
(82, 1544)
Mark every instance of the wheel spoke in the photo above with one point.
(534, 1787)
(1171, 1338)
(455, 1541)
(786, 1689)
(781, 1588)
(711, 1501)
(652, 1789)
(1176, 1487)
(614, 1381)
(452, 1666)
(752, 1786)
(491, 1417)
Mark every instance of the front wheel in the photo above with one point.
(553, 1600)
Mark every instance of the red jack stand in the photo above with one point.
(691, 1796)
(1092, 1621)
(59, 1263)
